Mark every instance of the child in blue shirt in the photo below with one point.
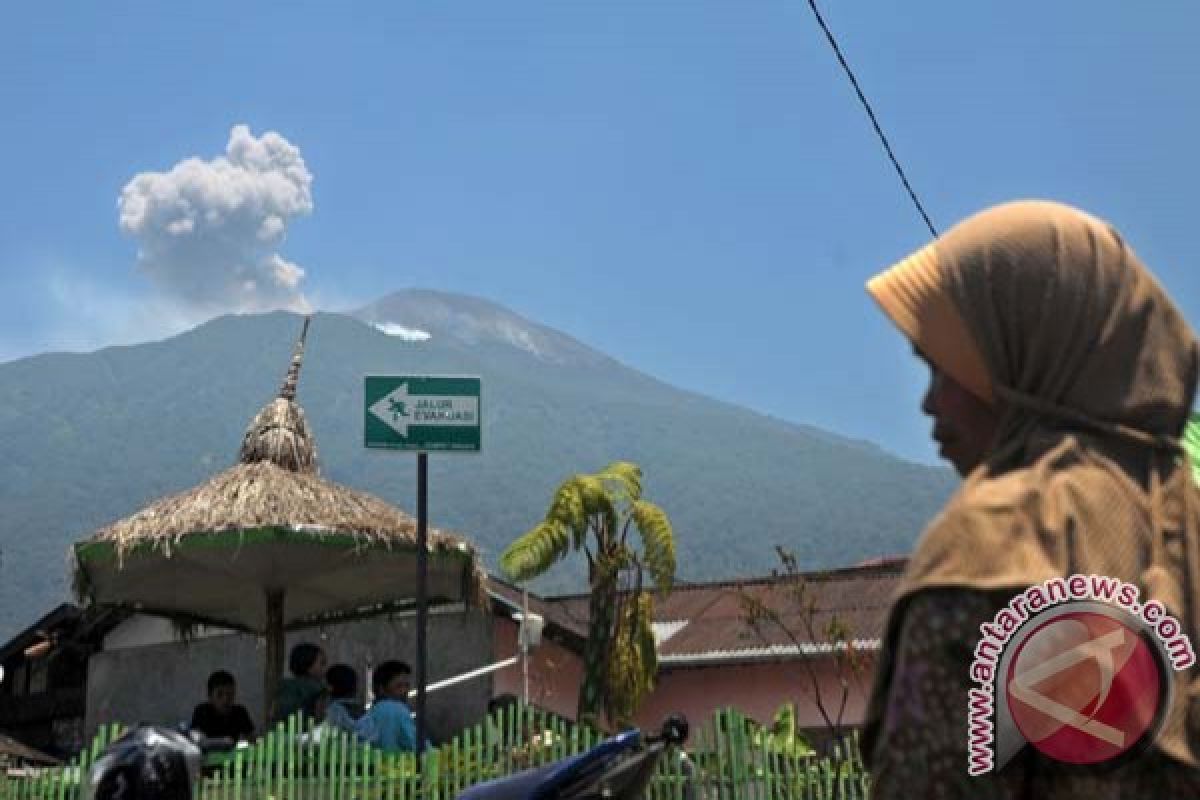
(389, 725)
(343, 711)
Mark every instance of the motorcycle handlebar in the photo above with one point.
(674, 731)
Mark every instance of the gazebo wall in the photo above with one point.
(146, 675)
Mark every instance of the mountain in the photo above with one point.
(89, 438)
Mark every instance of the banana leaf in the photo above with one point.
(1191, 442)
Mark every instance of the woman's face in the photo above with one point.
(964, 426)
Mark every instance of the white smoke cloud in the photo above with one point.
(208, 231)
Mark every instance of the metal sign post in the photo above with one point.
(422, 413)
(422, 593)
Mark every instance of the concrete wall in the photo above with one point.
(757, 690)
(141, 630)
(555, 673)
(161, 683)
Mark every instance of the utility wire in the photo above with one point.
(870, 113)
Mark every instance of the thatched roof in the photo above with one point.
(250, 497)
(263, 495)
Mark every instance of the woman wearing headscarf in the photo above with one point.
(1062, 378)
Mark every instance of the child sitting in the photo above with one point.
(299, 692)
(344, 711)
(221, 717)
(389, 725)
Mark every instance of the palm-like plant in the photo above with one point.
(625, 540)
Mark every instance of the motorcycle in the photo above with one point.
(619, 768)
(147, 763)
(152, 763)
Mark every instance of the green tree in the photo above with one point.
(629, 546)
(790, 608)
(1191, 441)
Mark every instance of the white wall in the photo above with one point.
(142, 630)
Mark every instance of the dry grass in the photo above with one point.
(279, 435)
(265, 495)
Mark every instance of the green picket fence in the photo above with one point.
(300, 762)
(62, 782)
(735, 764)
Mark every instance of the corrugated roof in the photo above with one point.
(665, 630)
(702, 623)
(552, 613)
(12, 748)
(766, 653)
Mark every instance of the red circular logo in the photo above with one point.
(1084, 687)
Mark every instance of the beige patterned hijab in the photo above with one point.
(1046, 312)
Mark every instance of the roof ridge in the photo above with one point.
(832, 575)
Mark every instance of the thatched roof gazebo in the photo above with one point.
(268, 545)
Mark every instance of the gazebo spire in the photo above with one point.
(279, 434)
(288, 391)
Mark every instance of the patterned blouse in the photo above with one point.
(921, 750)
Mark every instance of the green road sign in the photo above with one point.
(422, 413)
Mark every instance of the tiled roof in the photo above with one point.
(14, 749)
(553, 613)
(773, 652)
(665, 630)
(66, 622)
(705, 623)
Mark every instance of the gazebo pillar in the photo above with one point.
(274, 658)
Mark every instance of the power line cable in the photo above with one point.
(871, 114)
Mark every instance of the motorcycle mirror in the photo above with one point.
(675, 729)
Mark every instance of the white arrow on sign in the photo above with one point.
(399, 410)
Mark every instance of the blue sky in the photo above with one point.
(690, 187)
